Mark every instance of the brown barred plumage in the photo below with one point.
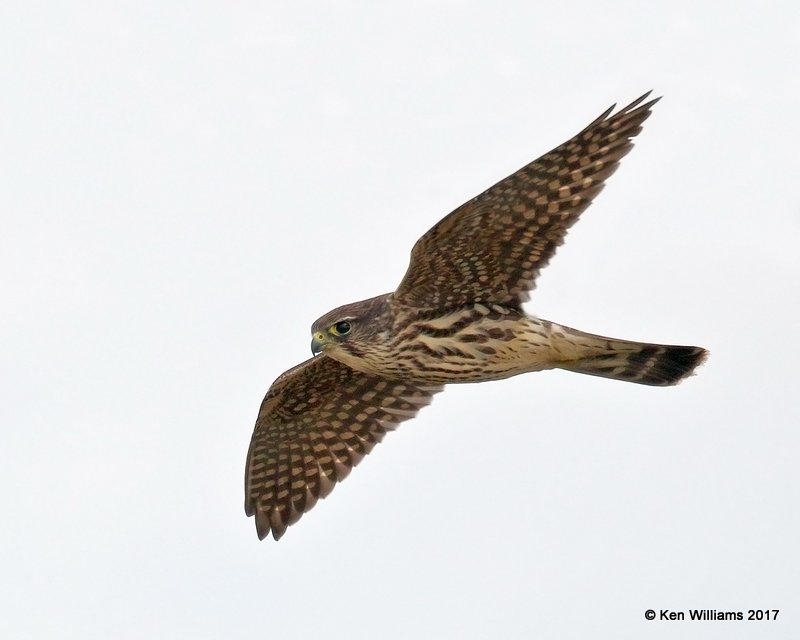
(456, 317)
(492, 248)
(316, 423)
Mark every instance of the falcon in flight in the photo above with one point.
(455, 317)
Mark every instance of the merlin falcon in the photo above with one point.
(456, 316)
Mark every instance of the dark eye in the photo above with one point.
(341, 328)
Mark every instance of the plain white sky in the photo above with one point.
(186, 186)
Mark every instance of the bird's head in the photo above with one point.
(330, 333)
(348, 330)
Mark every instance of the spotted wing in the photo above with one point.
(317, 421)
(492, 248)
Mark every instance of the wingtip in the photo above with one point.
(264, 531)
(262, 524)
(640, 102)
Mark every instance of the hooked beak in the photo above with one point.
(318, 342)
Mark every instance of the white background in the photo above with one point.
(186, 186)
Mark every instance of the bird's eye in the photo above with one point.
(341, 328)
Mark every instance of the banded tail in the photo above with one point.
(652, 364)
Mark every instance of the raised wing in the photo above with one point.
(492, 248)
(317, 421)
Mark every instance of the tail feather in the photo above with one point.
(651, 364)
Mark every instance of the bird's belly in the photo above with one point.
(470, 346)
